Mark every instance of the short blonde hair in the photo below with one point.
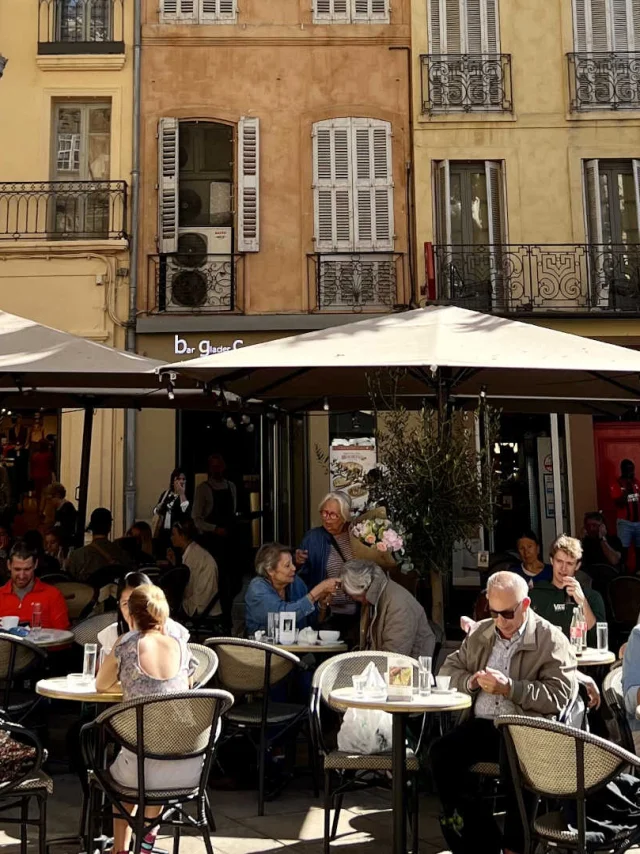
(148, 607)
(507, 580)
(565, 543)
(344, 502)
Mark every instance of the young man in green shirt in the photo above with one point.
(556, 600)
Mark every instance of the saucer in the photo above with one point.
(436, 690)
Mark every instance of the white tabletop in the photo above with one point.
(49, 637)
(58, 688)
(450, 702)
(595, 657)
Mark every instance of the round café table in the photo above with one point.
(317, 648)
(58, 688)
(595, 658)
(51, 637)
(451, 701)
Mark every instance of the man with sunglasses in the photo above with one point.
(513, 663)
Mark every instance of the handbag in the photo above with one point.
(16, 759)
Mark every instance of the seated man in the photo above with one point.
(556, 600)
(391, 618)
(19, 594)
(513, 663)
(203, 577)
(85, 564)
(599, 547)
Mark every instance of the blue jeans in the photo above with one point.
(628, 532)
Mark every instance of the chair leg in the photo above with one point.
(176, 840)
(327, 810)
(42, 823)
(207, 840)
(415, 815)
(336, 814)
(211, 822)
(262, 759)
(24, 817)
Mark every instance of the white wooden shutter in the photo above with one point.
(493, 175)
(625, 26)
(168, 134)
(181, 11)
(249, 185)
(435, 23)
(464, 26)
(373, 185)
(331, 11)
(333, 187)
(370, 11)
(443, 203)
(636, 181)
(217, 11)
(594, 203)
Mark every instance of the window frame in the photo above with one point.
(347, 12)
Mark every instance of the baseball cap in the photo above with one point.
(100, 521)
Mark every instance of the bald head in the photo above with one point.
(508, 597)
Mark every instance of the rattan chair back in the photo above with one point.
(555, 760)
(87, 630)
(337, 672)
(207, 664)
(246, 666)
(17, 655)
(79, 597)
(167, 726)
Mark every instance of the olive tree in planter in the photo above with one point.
(433, 480)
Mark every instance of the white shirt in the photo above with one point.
(108, 636)
(493, 705)
(203, 581)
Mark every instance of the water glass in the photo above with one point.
(359, 683)
(273, 620)
(90, 661)
(602, 635)
(36, 618)
(424, 675)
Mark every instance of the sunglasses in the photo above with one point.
(506, 615)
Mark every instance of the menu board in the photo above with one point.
(349, 462)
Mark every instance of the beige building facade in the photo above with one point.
(65, 162)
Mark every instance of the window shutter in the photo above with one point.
(581, 39)
(217, 11)
(492, 27)
(626, 24)
(332, 179)
(493, 174)
(183, 11)
(373, 185)
(600, 25)
(452, 19)
(249, 185)
(636, 181)
(594, 203)
(443, 203)
(435, 20)
(168, 133)
(473, 43)
(331, 11)
(370, 11)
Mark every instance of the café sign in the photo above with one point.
(204, 347)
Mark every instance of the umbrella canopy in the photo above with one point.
(520, 365)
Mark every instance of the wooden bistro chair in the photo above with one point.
(351, 772)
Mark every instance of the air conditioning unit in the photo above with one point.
(200, 274)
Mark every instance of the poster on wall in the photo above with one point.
(349, 462)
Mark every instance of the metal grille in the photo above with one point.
(466, 83)
(604, 81)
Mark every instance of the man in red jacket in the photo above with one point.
(18, 595)
(625, 492)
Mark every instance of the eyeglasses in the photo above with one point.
(506, 615)
(327, 514)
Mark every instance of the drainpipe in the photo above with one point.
(130, 414)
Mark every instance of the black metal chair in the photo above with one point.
(24, 781)
(205, 623)
(170, 727)
(560, 763)
(624, 601)
(614, 698)
(249, 667)
(22, 663)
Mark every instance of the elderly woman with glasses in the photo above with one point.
(324, 551)
(278, 588)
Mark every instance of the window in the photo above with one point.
(353, 185)
(196, 172)
(351, 11)
(612, 196)
(198, 11)
(464, 26)
(606, 25)
(81, 155)
(470, 231)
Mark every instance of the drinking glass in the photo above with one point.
(272, 627)
(90, 661)
(358, 684)
(36, 619)
(602, 635)
(424, 675)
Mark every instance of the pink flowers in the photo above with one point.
(379, 534)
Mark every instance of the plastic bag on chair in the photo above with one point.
(365, 730)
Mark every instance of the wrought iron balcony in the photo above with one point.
(526, 279)
(604, 81)
(80, 26)
(466, 83)
(356, 281)
(63, 210)
(195, 283)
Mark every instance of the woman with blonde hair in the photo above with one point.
(147, 660)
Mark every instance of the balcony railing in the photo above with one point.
(466, 83)
(80, 26)
(525, 279)
(604, 81)
(356, 281)
(63, 210)
(195, 283)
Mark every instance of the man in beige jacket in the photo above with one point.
(513, 663)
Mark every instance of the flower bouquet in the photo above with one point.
(378, 539)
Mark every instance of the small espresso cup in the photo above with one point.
(443, 682)
(9, 622)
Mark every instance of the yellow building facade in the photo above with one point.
(527, 172)
(65, 162)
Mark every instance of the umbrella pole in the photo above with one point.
(85, 462)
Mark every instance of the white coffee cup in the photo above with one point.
(9, 622)
(442, 682)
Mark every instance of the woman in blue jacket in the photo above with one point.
(278, 588)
